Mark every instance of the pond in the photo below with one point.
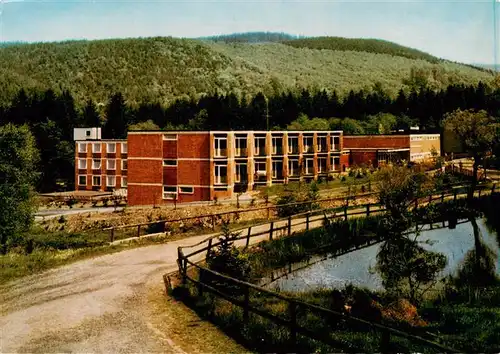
(356, 267)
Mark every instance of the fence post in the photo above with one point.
(454, 195)
(248, 236)
(138, 230)
(442, 196)
(268, 212)
(367, 209)
(493, 188)
(292, 307)
(430, 199)
(112, 235)
(246, 304)
(209, 248)
(271, 229)
(307, 222)
(416, 203)
(213, 222)
(289, 225)
(345, 212)
(479, 193)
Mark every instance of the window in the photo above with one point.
(220, 174)
(260, 168)
(124, 165)
(260, 146)
(82, 148)
(293, 145)
(186, 190)
(241, 173)
(241, 146)
(124, 148)
(124, 182)
(96, 147)
(308, 144)
(87, 133)
(416, 138)
(169, 162)
(111, 148)
(82, 164)
(110, 181)
(293, 168)
(321, 143)
(96, 164)
(170, 192)
(309, 166)
(169, 136)
(334, 163)
(111, 164)
(321, 164)
(277, 169)
(335, 143)
(96, 180)
(220, 146)
(82, 180)
(277, 145)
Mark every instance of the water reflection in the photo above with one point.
(357, 268)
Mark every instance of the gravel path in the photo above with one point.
(98, 305)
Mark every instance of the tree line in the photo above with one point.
(52, 117)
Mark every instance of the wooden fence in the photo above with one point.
(284, 227)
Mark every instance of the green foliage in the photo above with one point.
(147, 125)
(305, 123)
(18, 159)
(297, 194)
(381, 123)
(163, 69)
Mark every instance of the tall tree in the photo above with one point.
(18, 158)
(90, 115)
(478, 132)
(116, 118)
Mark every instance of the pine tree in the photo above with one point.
(116, 118)
(90, 116)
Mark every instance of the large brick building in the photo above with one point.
(157, 167)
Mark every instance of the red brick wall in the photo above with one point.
(376, 141)
(363, 157)
(170, 176)
(199, 194)
(344, 161)
(170, 149)
(145, 171)
(192, 172)
(144, 195)
(145, 145)
(194, 146)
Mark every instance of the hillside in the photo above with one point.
(162, 69)
(251, 37)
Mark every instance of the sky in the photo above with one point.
(457, 30)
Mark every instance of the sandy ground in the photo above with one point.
(109, 304)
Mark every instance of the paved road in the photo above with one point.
(96, 305)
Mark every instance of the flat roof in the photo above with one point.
(230, 131)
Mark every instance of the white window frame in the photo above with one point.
(332, 142)
(124, 163)
(218, 178)
(217, 144)
(114, 181)
(79, 164)
(93, 165)
(100, 181)
(170, 195)
(108, 149)
(332, 163)
(237, 174)
(307, 167)
(318, 145)
(237, 144)
(167, 165)
(275, 170)
(82, 148)
(320, 170)
(257, 170)
(108, 161)
(291, 170)
(274, 146)
(290, 145)
(124, 149)
(124, 185)
(94, 150)
(306, 147)
(170, 137)
(181, 192)
(79, 182)
(257, 147)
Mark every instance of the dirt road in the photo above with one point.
(99, 305)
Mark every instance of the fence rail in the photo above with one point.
(309, 219)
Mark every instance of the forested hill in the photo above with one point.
(251, 37)
(162, 69)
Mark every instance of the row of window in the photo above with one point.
(220, 145)
(96, 181)
(220, 170)
(420, 138)
(170, 192)
(97, 164)
(97, 147)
